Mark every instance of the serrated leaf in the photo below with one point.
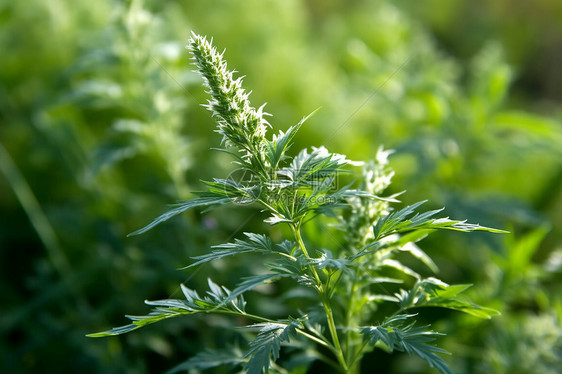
(326, 203)
(452, 290)
(267, 344)
(218, 298)
(410, 339)
(387, 224)
(431, 292)
(292, 269)
(396, 242)
(237, 192)
(311, 169)
(114, 331)
(464, 306)
(255, 243)
(398, 222)
(326, 261)
(276, 219)
(287, 246)
(281, 143)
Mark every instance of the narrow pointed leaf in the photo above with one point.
(267, 345)
(410, 339)
(219, 298)
(182, 207)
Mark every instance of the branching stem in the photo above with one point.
(325, 301)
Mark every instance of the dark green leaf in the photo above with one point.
(278, 146)
(326, 261)
(432, 292)
(218, 299)
(398, 222)
(210, 359)
(311, 169)
(410, 339)
(255, 243)
(246, 192)
(268, 344)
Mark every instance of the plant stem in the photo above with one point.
(334, 333)
(298, 236)
(315, 339)
(325, 302)
(348, 318)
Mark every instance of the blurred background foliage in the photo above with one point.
(100, 127)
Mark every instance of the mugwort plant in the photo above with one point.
(345, 317)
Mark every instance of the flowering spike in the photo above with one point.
(241, 125)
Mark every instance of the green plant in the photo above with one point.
(343, 315)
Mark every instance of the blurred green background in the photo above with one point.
(101, 127)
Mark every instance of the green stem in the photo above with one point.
(325, 302)
(299, 331)
(348, 318)
(315, 339)
(334, 333)
(335, 283)
(265, 204)
(242, 314)
(298, 236)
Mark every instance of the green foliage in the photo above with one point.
(218, 300)
(394, 336)
(433, 292)
(101, 125)
(267, 345)
(396, 222)
(255, 243)
(296, 190)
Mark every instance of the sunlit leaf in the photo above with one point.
(217, 299)
(410, 339)
(267, 345)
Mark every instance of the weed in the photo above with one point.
(345, 318)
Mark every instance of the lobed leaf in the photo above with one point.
(255, 243)
(277, 147)
(431, 292)
(237, 192)
(268, 344)
(218, 299)
(310, 169)
(409, 339)
(326, 261)
(398, 222)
